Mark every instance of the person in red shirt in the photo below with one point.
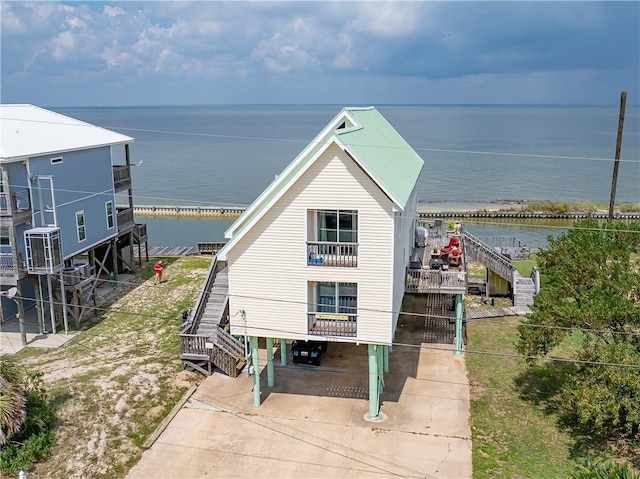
(158, 269)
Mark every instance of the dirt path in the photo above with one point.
(116, 381)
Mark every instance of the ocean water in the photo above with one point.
(226, 155)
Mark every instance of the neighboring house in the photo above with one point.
(58, 217)
(322, 253)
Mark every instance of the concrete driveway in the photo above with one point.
(311, 423)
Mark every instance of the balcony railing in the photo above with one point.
(14, 203)
(121, 177)
(125, 219)
(9, 271)
(333, 324)
(7, 266)
(141, 232)
(435, 281)
(326, 253)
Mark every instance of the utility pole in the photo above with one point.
(614, 180)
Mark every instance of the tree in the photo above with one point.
(592, 286)
(12, 399)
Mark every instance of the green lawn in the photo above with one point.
(513, 437)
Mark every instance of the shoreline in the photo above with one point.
(497, 209)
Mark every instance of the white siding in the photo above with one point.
(403, 248)
(268, 267)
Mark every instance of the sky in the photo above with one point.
(319, 52)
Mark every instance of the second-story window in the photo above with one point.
(82, 233)
(338, 226)
(109, 212)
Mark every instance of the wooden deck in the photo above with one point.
(421, 278)
(171, 251)
(490, 313)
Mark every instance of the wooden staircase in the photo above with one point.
(204, 343)
(524, 289)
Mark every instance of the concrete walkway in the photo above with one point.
(11, 343)
(311, 423)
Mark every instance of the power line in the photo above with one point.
(306, 142)
(475, 220)
(491, 353)
(531, 357)
(374, 310)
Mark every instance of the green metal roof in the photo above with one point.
(382, 153)
(377, 147)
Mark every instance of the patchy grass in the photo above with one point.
(475, 269)
(564, 207)
(115, 382)
(525, 266)
(512, 436)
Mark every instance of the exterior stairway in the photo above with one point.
(524, 289)
(204, 343)
(215, 306)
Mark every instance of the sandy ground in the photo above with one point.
(116, 380)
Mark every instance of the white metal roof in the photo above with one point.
(28, 130)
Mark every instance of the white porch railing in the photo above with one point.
(435, 281)
(333, 324)
(326, 253)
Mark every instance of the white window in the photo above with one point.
(337, 298)
(109, 211)
(57, 160)
(82, 233)
(338, 226)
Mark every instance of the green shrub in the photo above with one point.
(604, 469)
(36, 437)
(15, 457)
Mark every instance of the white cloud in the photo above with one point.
(10, 23)
(387, 19)
(111, 12)
(114, 57)
(281, 55)
(273, 45)
(63, 44)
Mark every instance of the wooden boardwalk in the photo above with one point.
(490, 313)
(172, 251)
(201, 248)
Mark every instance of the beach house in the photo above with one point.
(60, 228)
(322, 253)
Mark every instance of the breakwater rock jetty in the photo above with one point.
(425, 210)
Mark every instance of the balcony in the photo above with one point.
(325, 253)
(16, 205)
(121, 177)
(9, 272)
(125, 220)
(333, 324)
